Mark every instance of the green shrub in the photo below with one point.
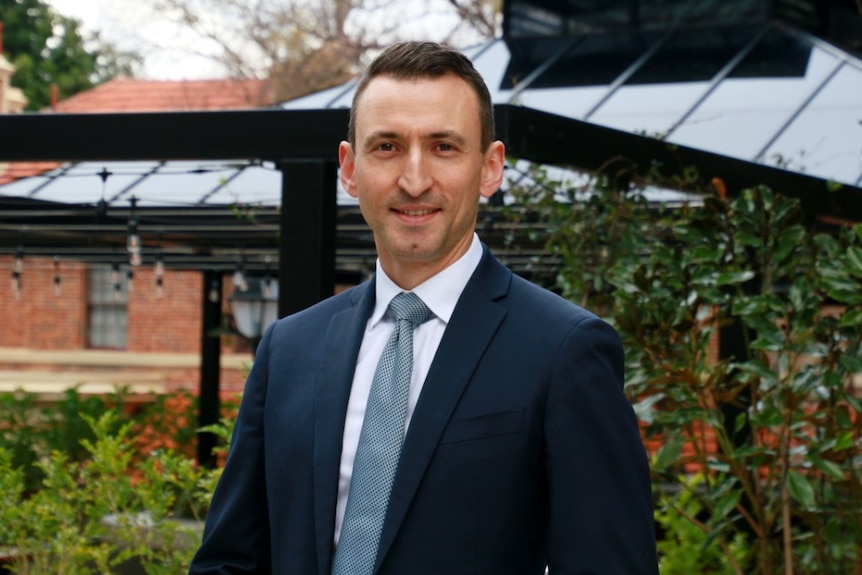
(773, 424)
(93, 515)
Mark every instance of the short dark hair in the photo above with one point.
(419, 60)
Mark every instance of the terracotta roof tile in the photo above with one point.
(138, 95)
(18, 170)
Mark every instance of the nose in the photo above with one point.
(415, 178)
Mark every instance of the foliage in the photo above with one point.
(100, 485)
(31, 431)
(684, 544)
(92, 516)
(50, 49)
(771, 421)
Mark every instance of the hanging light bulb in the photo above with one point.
(115, 279)
(17, 270)
(133, 241)
(57, 279)
(214, 291)
(130, 280)
(133, 244)
(238, 278)
(159, 271)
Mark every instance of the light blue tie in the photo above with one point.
(379, 443)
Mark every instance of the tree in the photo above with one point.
(305, 46)
(49, 49)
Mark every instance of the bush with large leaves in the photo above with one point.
(770, 424)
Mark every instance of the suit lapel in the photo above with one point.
(469, 332)
(341, 347)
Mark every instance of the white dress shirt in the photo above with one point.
(440, 293)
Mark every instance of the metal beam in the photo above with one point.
(265, 134)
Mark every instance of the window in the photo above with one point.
(108, 315)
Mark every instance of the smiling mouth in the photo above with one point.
(416, 213)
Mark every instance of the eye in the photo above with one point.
(386, 147)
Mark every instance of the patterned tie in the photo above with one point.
(379, 443)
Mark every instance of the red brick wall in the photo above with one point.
(171, 322)
(39, 318)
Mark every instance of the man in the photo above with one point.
(521, 451)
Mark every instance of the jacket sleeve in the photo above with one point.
(236, 536)
(601, 509)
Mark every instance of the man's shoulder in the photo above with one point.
(325, 308)
(529, 291)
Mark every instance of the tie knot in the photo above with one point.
(408, 306)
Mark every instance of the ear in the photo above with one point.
(347, 162)
(492, 171)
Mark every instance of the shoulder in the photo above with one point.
(317, 315)
(543, 303)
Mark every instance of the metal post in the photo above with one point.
(209, 412)
(306, 264)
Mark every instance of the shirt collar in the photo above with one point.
(439, 292)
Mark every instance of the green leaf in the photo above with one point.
(749, 306)
(726, 504)
(854, 260)
(851, 317)
(789, 240)
(800, 489)
(830, 468)
(734, 277)
(843, 440)
(669, 453)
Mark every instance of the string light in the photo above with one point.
(214, 294)
(133, 242)
(159, 271)
(238, 278)
(57, 279)
(17, 270)
(115, 279)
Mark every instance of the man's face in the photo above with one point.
(418, 170)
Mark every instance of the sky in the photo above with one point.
(168, 53)
(174, 53)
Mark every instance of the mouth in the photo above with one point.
(415, 213)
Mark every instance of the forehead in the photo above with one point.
(446, 99)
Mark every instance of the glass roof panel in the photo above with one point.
(491, 64)
(23, 187)
(183, 182)
(671, 81)
(254, 185)
(826, 139)
(753, 103)
(82, 183)
(574, 84)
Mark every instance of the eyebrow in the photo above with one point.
(456, 137)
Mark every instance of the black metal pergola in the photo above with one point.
(308, 232)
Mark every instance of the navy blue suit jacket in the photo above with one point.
(522, 452)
